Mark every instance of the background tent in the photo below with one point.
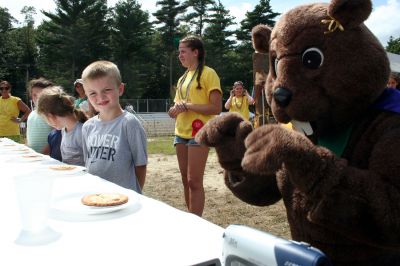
(394, 62)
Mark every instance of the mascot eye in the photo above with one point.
(276, 61)
(312, 58)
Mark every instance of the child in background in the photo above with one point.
(114, 142)
(54, 141)
(37, 130)
(394, 81)
(239, 100)
(81, 100)
(59, 111)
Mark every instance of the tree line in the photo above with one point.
(79, 32)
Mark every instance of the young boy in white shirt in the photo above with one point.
(114, 141)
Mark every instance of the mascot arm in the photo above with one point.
(227, 134)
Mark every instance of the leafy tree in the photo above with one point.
(5, 26)
(219, 42)
(199, 16)
(158, 74)
(262, 14)
(393, 45)
(169, 16)
(76, 34)
(131, 36)
(28, 41)
(6, 20)
(131, 30)
(11, 54)
(12, 67)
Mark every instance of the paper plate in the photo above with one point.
(66, 169)
(69, 207)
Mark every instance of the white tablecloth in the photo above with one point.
(148, 232)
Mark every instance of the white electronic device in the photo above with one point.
(245, 246)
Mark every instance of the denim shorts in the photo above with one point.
(188, 142)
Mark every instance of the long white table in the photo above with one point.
(147, 232)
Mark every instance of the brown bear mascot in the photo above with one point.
(341, 183)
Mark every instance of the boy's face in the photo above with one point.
(103, 93)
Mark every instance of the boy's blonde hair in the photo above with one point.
(54, 100)
(101, 69)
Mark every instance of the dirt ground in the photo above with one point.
(163, 182)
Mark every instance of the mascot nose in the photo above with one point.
(282, 96)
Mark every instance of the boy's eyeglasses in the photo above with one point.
(4, 88)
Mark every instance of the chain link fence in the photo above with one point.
(152, 113)
(148, 105)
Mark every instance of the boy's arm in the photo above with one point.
(140, 172)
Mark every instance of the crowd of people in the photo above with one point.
(93, 130)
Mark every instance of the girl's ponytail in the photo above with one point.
(80, 115)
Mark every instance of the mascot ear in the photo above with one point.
(350, 13)
(260, 36)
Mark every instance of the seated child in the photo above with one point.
(37, 129)
(54, 140)
(114, 142)
(58, 109)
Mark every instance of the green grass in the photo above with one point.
(163, 145)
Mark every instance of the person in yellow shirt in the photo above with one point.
(198, 99)
(10, 108)
(239, 100)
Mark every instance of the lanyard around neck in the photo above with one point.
(187, 87)
(236, 102)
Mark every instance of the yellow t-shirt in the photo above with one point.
(287, 125)
(188, 123)
(8, 109)
(240, 105)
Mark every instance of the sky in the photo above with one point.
(383, 22)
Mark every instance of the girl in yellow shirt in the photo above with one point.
(198, 98)
(239, 100)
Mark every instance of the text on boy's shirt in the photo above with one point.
(102, 147)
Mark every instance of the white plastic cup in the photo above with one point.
(34, 196)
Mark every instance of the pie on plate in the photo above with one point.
(31, 156)
(62, 167)
(104, 199)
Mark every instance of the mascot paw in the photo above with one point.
(268, 147)
(226, 133)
